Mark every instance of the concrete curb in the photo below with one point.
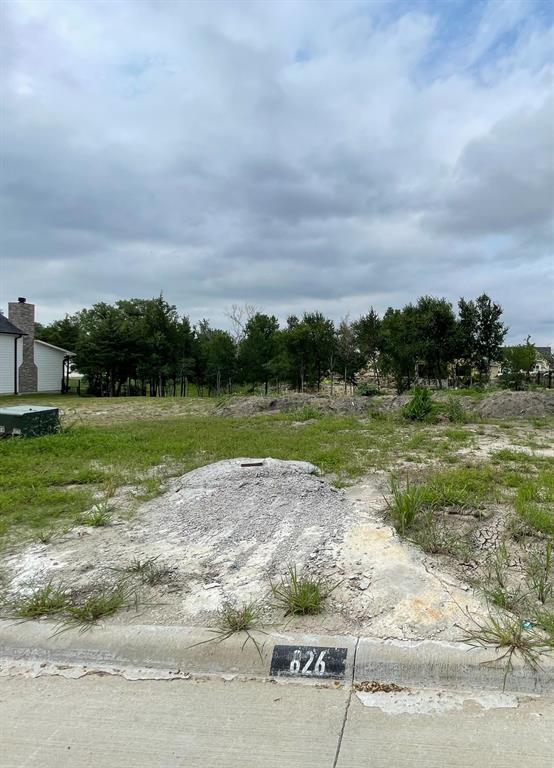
(173, 650)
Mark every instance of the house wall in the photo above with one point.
(50, 368)
(6, 362)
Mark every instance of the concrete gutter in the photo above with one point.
(173, 651)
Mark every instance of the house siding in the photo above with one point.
(50, 368)
(6, 362)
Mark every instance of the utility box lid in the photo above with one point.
(29, 420)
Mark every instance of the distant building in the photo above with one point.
(27, 364)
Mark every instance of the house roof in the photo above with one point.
(53, 346)
(7, 327)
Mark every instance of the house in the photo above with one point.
(27, 364)
(544, 361)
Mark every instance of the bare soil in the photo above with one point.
(226, 531)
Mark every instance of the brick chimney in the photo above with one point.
(22, 315)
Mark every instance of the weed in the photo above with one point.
(496, 566)
(435, 538)
(110, 487)
(103, 601)
(404, 505)
(507, 634)
(100, 515)
(420, 407)
(45, 536)
(306, 413)
(301, 594)
(545, 620)
(48, 600)
(538, 570)
(504, 598)
(234, 619)
(455, 412)
(149, 571)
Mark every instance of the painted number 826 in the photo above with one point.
(306, 668)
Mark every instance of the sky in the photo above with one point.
(290, 155)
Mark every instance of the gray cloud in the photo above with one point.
(291, 156)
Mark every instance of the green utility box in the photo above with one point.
(28, 420)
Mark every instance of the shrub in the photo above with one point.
(368, 390)
(420, 407)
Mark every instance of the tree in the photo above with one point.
(490, 333)
(258, 348)
(321, 339)
(298, 350)
(468, 330)
(399, 345)
(239, 315)
(61, 333)
(348, 354)
(369, 339)
(220, 359)
(517, 363)
(436, 336)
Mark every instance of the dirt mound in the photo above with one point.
(250, 406)
(503, 405)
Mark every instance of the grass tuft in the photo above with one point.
(508, 636)
(102, 602)
(149, 571)
(404, 505)
(234, 619)
(538, 571)
(99, 516)
(48, 600)
(455, 412)
(301, 595)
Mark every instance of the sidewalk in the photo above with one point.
(109, 722)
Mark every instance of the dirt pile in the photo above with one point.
(503, 405)
(252, 405)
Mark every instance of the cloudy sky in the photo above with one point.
(292, 155)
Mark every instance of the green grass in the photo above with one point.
(48, 600)
(461, 487)
(50, 480)
(507, 635)
(47, 483)
(404, 505)
(99, 516)
(301, 595)
(104, 601)
(534, 502)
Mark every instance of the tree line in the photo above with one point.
(144, 346)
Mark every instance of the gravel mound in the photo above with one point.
(248, 502)
(229, 525)
(509, 404)
(250, 406)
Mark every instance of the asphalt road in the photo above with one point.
(103, 721)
